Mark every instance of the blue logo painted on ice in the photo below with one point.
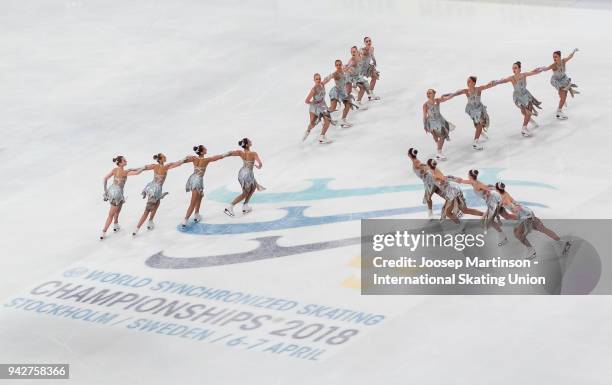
(295, 218)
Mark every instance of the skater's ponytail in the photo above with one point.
(518, 63)
(118, 159)
(158, 157)
(432, 163)
(474, 174)
(413, 152)
(501, 187)
(199, 149)
(473, 78)
(244, 143)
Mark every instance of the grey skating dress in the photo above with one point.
(318, 107)
(338, 91)
(246, 177)
(114, 194)
(153, 190)
(476, 110)
(560, 81)
(453, 196)
(429, 185)
(493, 201)
(196, 180)
(436, 123)
(523, 98)
(356, 77)
(368, 66)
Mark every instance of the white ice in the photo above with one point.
(84, 81)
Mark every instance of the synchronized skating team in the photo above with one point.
(153, 191)
(354, 75)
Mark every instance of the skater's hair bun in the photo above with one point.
(500, 186)
(244, 142)
(473, 173)
(518, 63)
(432, 163)
(158, 157)
(199, 149)
(557, 53)
(118, 159)
(413, 152)
(473, 78)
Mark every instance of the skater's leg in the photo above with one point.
(360, 93)
(448, 210)
(333, 105)
(538, 225)
(198, 203)
(154, 210)
(119, 207)
(325, 125)
(249, 195)
(562, 98)
(143, 217)
(474, 212)
(373, 81)
(192, 204)
(526, 115)
(239, 198)
(109, 219)
(345, 111)
(478, 131)
(518, 233)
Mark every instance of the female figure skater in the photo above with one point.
(195, 183)
(354, 66)
(475, 109)
(527, 221)
(421, 170)
(434, 123)
(339, 92)
(560, 81)
(522, 97)
(246, 177)
(368, 66)
(318, 109)
(114, 193)
(455, 202)
(153, 190)
(493, 201)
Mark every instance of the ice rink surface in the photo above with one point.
(84, 81)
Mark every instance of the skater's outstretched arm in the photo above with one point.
(172, 165)
(137, 171)
(500, 81)
(570, 56)
(239, 153)
(456, 93)
(444, 98)
(215, 158)
(486, 86)
(532, 72)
